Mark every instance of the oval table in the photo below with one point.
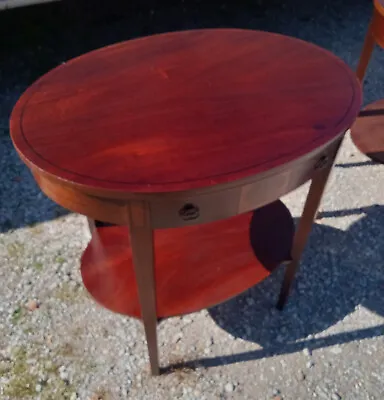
(200, 131)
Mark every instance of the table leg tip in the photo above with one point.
(156, 371)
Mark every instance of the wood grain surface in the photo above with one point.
(379, 5)
(196, 267)
(183, 110)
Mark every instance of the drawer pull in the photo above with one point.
(189, 212)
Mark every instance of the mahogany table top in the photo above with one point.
(184, 110)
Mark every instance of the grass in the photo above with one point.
(4, 368)
(38, 266)
(68, 293)
(36, 229)
(22, 383)
(60, 259)
(15, 249)
(17, 315)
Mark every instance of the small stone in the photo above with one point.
(302, 376)
(280, 338)
(48, 340)
(38, 388)
(336, 350)
(177, 337)
(229, 387)
(207, 350)
(250, 301)
(307, 352)
(73, 396)
(63, 373)
(32, 305)
(322, 393)
(301, 285)
(310, 364)
(275, 392)
(336, 396)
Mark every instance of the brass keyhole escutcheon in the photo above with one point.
(189, 212)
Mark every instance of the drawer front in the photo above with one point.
(176, 211)
(266, 190)
(186, 211)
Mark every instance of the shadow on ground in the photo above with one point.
(21, 201)
(340, 270)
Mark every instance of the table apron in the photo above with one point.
(239, 199)
(183, 209)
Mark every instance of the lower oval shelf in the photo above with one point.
(196, 267)
(368, 131)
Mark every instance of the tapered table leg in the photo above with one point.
(365, 56)
(91, 225)
(141, 238)
(311, 206)
(369, 44)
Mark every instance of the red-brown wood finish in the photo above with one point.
(368, 131)
(177, 130)
(196, 267)
(375, 34)
(214, 203)
(378, 22)
(183, 110)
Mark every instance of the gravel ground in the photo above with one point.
(56, 343)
